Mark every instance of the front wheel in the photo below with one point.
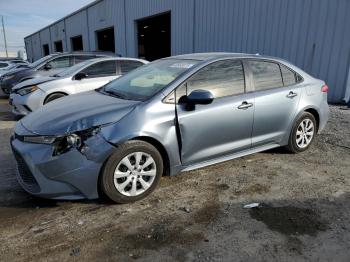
(303, 133)
(132, 172)
(53, 96)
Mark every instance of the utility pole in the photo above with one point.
(3, 30)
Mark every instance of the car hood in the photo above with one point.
(34, 81)
(16, 70)
(77, 112)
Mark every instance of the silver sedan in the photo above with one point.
(175, 114)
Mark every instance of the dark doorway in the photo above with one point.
(46, 49)
(58, 46)
(154, 36)
(77, 43)
(105, 40)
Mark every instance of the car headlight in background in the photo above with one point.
(27, 90)
(5, 78)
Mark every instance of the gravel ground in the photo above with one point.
(198, 215)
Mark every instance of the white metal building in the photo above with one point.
(313, 34)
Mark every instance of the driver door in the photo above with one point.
(223, 127)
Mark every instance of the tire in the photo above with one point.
(115, 167)
(300, 140)
(53, 96)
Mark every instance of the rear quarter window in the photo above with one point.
(290, 77)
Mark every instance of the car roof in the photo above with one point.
(100, 53)
(94, 60)
(213, 55)
(222, 55)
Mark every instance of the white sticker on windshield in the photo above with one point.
(182, 65)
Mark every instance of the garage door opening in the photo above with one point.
(77, 43)
(105, 40)
(58, 46)
(46, 49)
(153, 36)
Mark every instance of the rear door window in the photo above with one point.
(128, 65)
(101, 69)
(2, 65)
(266, 75)
(290, 77)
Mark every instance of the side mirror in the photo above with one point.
(48, 67)
(80, 76)
(199, 97)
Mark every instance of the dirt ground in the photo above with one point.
(198, 215)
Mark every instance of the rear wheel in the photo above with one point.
(303, 133)
(53, 96)
(132, 172)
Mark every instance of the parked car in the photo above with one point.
(91, 74)
(11, 67)
(175, 114)
(46, 66)
(14, 59)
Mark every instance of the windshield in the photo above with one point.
(41, 60)
(147, 80)
(73, 69)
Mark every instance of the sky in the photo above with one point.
(23, 17)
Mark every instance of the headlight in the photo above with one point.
(8, 77)
(63, 144)
(39, 139)
(74, 140)
(27, 90)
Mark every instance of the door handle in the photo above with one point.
(245, 105)
(291, 94)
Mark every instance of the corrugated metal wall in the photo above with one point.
(106, 14)
(313, 34)
(77, 25)
(45, 38)
(58, 34)
(36, 44)
(28, 46)
(181, 22)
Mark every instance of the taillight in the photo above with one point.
(324, 89)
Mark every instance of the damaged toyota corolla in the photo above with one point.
(175, 114)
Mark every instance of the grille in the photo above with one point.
(25, 174)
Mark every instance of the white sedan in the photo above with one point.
(30, 95)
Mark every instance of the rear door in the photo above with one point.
(277, 95)
(98, 75)
(222, 127)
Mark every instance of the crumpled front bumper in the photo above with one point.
(71, 175)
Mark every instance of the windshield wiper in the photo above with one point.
(115, 94)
